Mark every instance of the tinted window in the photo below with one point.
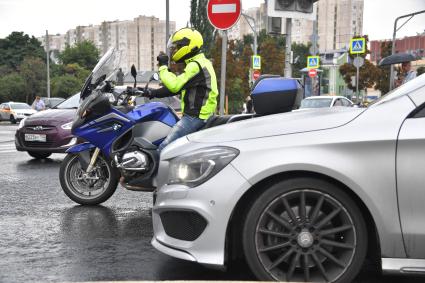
(316, 103)
(19, 106)
(72, 102)
(346, 102)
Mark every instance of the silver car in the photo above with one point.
(303, 196)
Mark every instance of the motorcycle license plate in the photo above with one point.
(35, 137)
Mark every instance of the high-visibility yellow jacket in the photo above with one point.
(197, 86)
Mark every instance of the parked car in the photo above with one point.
(52, 101)
(15, 111)
(48, 131)
(324, 101)
(302, 196)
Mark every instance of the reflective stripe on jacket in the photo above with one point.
(197, 84)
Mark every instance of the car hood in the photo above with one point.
(51, 116)
(279, 124)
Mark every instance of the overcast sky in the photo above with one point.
(58, 16)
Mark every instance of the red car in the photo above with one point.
(48, 131)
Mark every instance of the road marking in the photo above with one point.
(223, 8)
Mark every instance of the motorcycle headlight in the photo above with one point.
(22, 123)
(67, 126)
(196, 167)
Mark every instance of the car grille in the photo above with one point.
(39, 128)
(183, 225)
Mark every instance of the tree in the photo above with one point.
(199, 20)
(273, 57)
(16, 46)
(301, 51)
(383, 80)
(368, 73)
(12, 88)
(65, 86)
(84, 54)
(33, 70)
(420, 71)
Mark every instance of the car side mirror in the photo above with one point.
(134, 74)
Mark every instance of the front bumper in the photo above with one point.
(212, 201)
(55, 143)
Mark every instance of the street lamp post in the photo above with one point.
(409, 16)
(48, 63)
(254, 29)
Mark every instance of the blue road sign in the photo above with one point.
(357, 45)
(313, 62)
(256, 62)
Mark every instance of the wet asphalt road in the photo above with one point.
(44, 236)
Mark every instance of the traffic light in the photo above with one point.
(284, 5)
(294, 9)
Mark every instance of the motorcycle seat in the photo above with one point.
(215, 120)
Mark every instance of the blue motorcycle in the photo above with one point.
(117, 141)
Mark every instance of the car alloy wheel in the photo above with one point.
(304, 233)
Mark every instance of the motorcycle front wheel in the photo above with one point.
(88, 188)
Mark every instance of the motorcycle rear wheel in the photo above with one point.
(88, 189)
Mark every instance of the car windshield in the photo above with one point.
(19, 106)
(71, 103)
(316, 103)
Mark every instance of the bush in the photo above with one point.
(12, 88)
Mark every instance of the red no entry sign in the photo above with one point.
(312, 73)
(223, 14)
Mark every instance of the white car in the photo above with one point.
(15, 111)
(325, 101)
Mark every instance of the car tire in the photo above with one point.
(39, 154)
(304, 229)
(70, 167)
(12, 119)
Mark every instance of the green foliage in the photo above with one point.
(16, 46)
(84, 54)
(199, 20)
(420, 71)
(65, 86)
(383, 80)
(301, 51)
(33, 70)
(12, 88)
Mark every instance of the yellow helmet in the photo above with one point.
(184, 43)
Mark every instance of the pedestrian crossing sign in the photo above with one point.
(256, 62)
(357, 45)
(313, 62)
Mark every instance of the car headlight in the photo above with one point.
(67, 126)
(196, 167)
(22, 123)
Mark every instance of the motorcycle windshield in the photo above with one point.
(106, 67)
(104, 70)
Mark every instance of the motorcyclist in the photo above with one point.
(197, 84)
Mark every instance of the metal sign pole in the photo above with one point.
(357, 82)
(288, 69)
(48, 63)
(223, 71)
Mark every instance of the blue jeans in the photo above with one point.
(185, 126)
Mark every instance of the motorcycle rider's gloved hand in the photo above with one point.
(148, 93)
(162, 59)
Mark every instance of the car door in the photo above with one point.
(411, 182)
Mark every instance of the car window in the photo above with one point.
(19, 106)
(338, 102)
(70, 103)
(316, 103)
(345, 102)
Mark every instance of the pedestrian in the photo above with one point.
(248, 103)
(197, 85)
(38, 104)
(120, 77)
(406, 74)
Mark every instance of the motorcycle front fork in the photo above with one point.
(93, 160)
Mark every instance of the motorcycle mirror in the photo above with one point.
(134, 73)
(155, 77)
